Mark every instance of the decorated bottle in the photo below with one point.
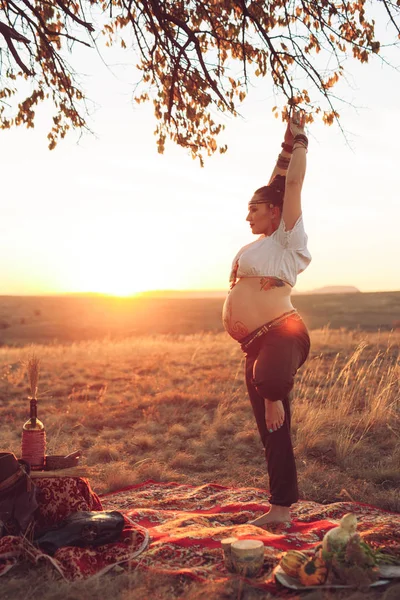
(33, 448)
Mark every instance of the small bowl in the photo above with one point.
(55, 462)
(226, 545)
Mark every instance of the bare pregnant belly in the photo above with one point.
(252, 302)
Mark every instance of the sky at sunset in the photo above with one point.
(107, 213)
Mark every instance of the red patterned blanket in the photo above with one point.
(58, 498)
(186, 524)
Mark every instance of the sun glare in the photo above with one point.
(114, 279)
(120, 292)
(117, 257)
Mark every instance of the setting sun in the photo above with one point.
(116, 255)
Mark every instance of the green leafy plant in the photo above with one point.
(356, 564)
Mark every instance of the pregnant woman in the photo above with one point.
(258, 313)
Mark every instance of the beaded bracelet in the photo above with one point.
(287, 147)
(283, 162)
(301, 138)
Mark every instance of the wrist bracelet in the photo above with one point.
(300, 137)
(287, 147)
(285, 158)
(283, 162)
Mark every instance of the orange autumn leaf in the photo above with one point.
(194, 60)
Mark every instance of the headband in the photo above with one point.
(270, 205)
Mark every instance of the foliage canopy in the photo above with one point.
(196, 57)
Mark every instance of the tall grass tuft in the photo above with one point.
(33, 368)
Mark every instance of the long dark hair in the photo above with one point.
(272, 193)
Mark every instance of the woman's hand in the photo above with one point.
(289, 137)
(297, 122)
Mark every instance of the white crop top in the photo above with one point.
(283, 254)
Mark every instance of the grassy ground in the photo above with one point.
(174, 408)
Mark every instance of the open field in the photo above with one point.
(174, 408)
(60, 319)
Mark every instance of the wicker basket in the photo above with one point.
(54, 462)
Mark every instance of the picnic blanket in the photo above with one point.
(58, 498)
(186, 524)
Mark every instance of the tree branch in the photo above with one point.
(74, 17)
(174, 78)
(191, 37)
(272, 50)
(391, 16)
(9, 34)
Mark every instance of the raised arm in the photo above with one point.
(282, 163)
(296, 171)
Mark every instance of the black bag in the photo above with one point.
(83, 529)
(17, 495)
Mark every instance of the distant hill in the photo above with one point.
(333, 289)
(49, 319)
(184, 294)
(328, 289)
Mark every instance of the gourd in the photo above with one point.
(336, 539)
(313, 572)
(292, 561)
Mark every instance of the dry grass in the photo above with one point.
(174, 408)
(129, 584)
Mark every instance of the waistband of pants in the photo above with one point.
(246, 342)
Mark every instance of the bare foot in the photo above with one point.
(276, 514)
(274, 414)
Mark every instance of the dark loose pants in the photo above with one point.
(272, 361)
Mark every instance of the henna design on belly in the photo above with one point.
(237, 330)
(269, 283)
(227, 315)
